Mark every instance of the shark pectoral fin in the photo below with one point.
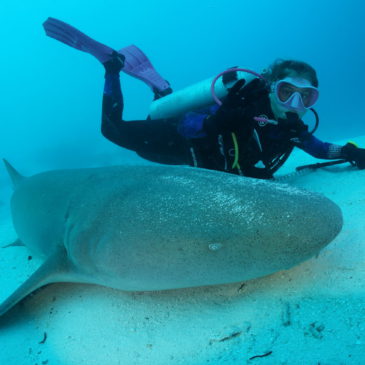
(17, 242)
(54, 269)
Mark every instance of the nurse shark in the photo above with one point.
(144, 228)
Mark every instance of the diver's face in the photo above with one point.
(292, 94)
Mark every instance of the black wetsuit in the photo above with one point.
(190, 140)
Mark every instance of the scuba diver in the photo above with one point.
(251, 132)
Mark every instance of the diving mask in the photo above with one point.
(295, 94)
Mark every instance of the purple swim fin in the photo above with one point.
(71, 36)
(136, 62)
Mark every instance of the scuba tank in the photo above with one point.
(199, 95)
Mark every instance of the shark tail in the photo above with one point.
(15, 176)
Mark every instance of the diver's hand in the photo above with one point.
(230, 117)
(235, 96)
(293, 125)
(230, 113)
(115, 64)
(354, 154)
(240, 94)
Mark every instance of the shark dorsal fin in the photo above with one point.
(15, 177)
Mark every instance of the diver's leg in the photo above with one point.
(112, 97)
(155, 140)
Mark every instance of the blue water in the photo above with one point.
(51, 94)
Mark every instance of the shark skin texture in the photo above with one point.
(147, 228)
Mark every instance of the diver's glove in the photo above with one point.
(352, 153)
(253, 91)
(231, 114)
(241, 95)
(115, 64)
(293, 125)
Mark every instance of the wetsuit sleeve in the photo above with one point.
(319, 149)
(155, 140)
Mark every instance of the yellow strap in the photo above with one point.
(236, 152)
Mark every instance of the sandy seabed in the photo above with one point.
(311, 314)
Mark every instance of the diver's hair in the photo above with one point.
(282, 68)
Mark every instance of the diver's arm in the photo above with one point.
(330, 151)
(319, 149)
(299, 135)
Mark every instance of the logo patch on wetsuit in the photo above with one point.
(263, 123)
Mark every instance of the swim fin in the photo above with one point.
(136, 62)
(71, 36)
